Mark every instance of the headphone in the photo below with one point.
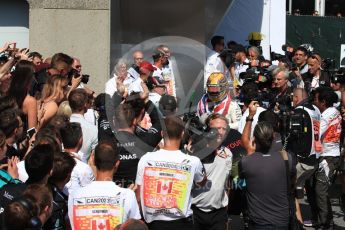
(34, 222)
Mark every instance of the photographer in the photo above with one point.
(315, 77)
(338, 82)
(304, 139)
(250, 92)
(263, 191)
(210, 202)
(281, 89)
(300, 59)
(82, 78)
(61, 64)
(254, 56)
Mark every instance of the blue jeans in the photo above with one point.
(253, 226)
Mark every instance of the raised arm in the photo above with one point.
(246, 141)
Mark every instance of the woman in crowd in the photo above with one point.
(52, 96)
(19, 89)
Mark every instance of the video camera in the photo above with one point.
(199, 134)
(259, 74)
(276, 56)
(75, 73)
(292, 124)
(328, 64)
(338, 76)
(289, 52)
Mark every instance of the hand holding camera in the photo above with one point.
(253, 107)
(8, 46)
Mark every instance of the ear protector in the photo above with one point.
(34, 222)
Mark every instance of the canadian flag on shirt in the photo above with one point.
(164, 187)
(100, 224)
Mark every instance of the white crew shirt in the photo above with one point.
(214, 194)
(213, 64)
(81, 176)
(166, 179)
(101, 204)
(330, 131)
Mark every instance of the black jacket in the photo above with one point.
(324, 80)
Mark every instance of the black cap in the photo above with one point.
(167, 104)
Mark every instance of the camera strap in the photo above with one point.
(291, 201)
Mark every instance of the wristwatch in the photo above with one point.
(249, 119)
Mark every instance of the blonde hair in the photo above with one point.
(54, 87)
(64, 109)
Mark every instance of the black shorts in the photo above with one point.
(215, 220)
(180, 224)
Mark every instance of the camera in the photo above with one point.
(338, 76)
(75, 73)
(287, 48)
(199, 135)
(328, 64)
(276, 56)
(260, 74)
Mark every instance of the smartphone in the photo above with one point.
(30, 132)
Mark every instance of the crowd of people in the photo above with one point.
(263, 134)
(297, 12)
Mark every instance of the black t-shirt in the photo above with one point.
(324, 79)
(10, 192)
(60, 207)
(130, 149)
(104, 129)
(266, 181)
(233, 142)
(151, 136)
